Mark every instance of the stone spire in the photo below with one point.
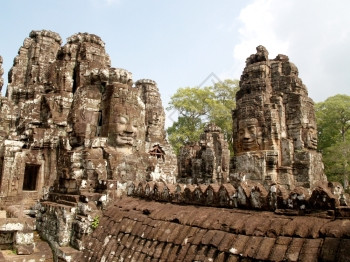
(274, 127)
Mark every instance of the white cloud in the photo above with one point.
(314, 34)
(258, 28)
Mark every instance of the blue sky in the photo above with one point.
(180, 43)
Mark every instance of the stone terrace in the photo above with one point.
(139, 230)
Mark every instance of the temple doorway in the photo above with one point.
(31, 174)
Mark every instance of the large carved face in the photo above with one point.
(310, 137)
(126, 130)
(249, 134)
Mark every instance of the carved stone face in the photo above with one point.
(154, 118)
(153, 97)
(249, 134)
(126, 130)
(310, 137)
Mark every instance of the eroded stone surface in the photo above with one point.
(207, 161)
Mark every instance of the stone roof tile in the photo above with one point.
(217, 238)
(337, 228)
(344, 250)
(278, 252)
(239, 244)
(277, 226)
(159, 250)
(221, 257)
(162, 232)
(152, 248)
(233, 258)
(215, 233)
(294, 249)
(173, 253)
(252, 246)
(201, 253)
(137, 228)
(147, 246)
(237, 223)
(226, 242)
(198, 237)
(182, 251)
(330, 248)
(135, 256)
(310, 250)
(181, 238)
(207, 237)
(140, 245)
(211, 254)
(265, 248)
(166, 251)
(130, 241)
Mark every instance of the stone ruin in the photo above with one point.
(69, 117)
(85, 162)
(207, 161)
(274, 125)
(73, 127)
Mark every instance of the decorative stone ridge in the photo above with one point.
(143, 231)
(207, 161)
(250, 195)
(274, 125)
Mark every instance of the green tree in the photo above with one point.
(333, 121)
(197, 106)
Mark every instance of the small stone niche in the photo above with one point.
(31, 174)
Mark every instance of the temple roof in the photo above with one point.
(146, 230)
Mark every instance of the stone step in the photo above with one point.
(68, 254)
(64, 197)
(42, 253)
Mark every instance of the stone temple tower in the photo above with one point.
(274, 125)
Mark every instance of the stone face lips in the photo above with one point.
(274, 125)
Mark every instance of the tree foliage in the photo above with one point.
(333, 121)
(199, 105)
